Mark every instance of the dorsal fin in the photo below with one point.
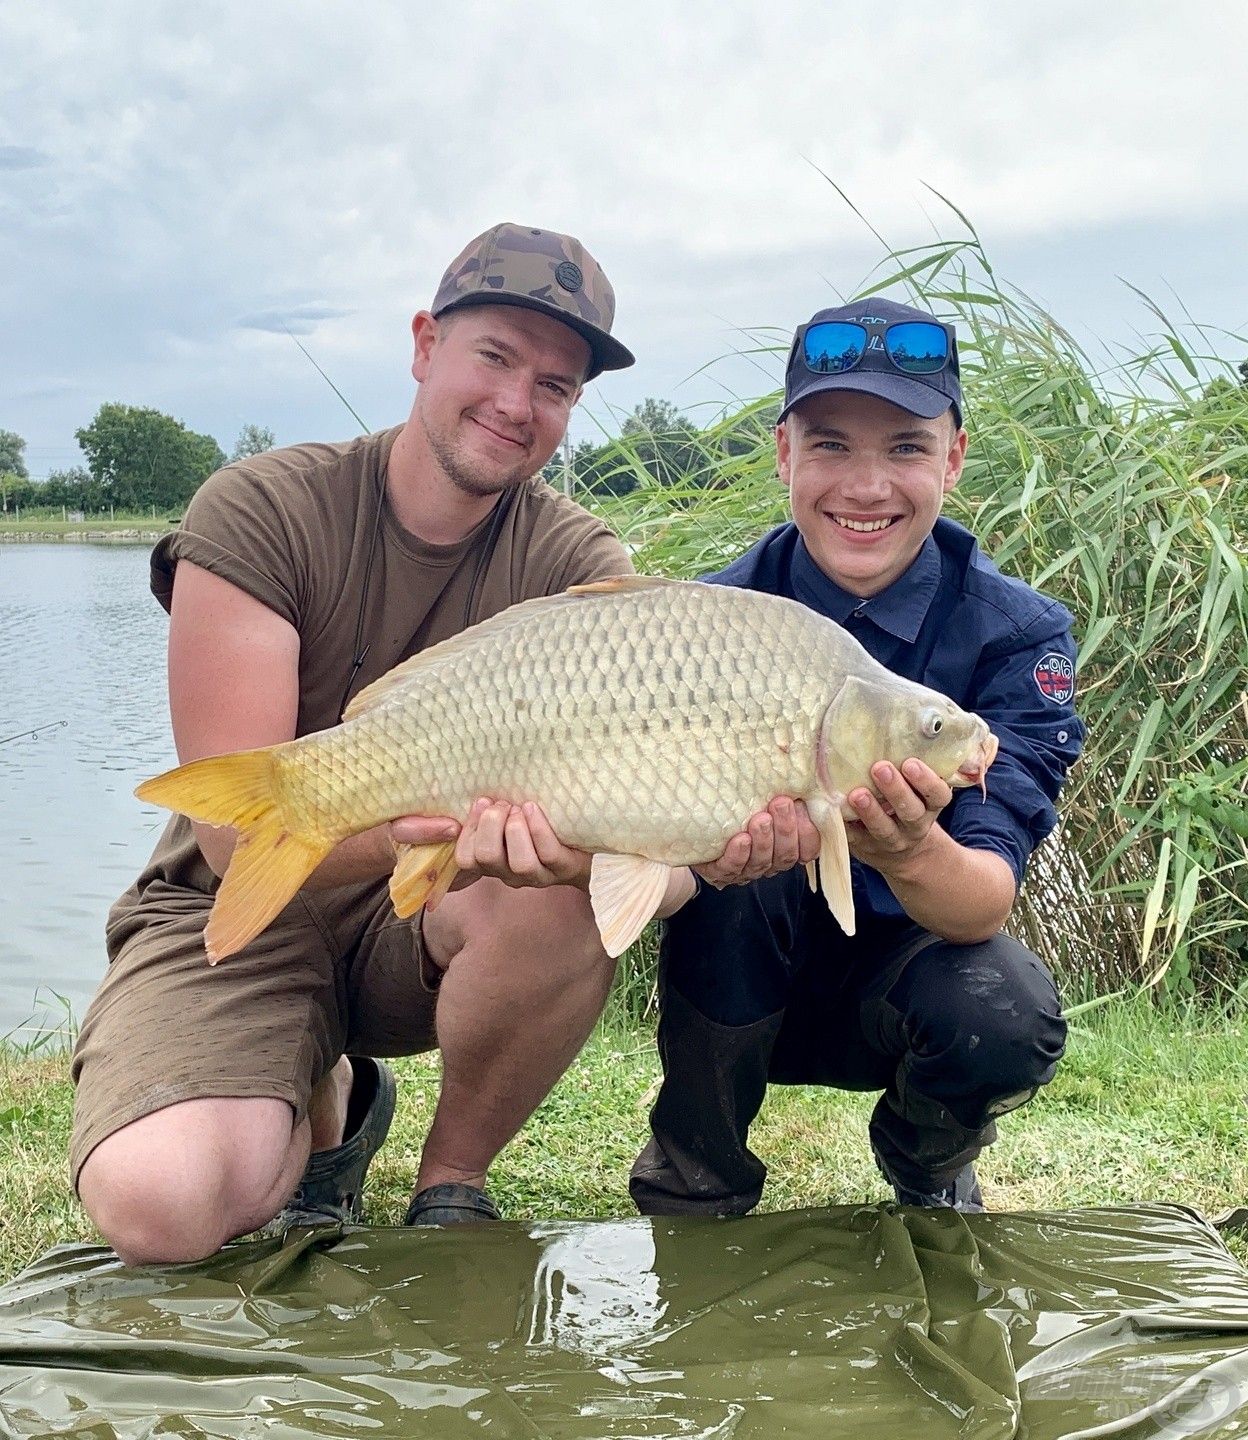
(374, 694)
(620, 584)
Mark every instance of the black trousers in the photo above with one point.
(759, 984)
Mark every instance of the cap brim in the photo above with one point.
(606, 353)
(899, 390)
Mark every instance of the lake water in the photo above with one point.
(82, 640)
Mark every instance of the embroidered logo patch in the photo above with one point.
(569, 276)
(1055, 677)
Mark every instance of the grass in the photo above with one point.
(1149, 1105)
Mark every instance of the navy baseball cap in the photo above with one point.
(874, 372)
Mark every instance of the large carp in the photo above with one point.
(649, 718)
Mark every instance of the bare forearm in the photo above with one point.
(681, 888)
(959, 894)
(363, 857)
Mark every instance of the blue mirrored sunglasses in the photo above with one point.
(915, 347)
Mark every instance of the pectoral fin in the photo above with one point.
(625, 891)
(834, 873)
(812, 875)
(422, 876)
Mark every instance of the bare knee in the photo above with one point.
(150, 1216)
(559, 926)
(176, 1185)
(553, 946)
(539, 934)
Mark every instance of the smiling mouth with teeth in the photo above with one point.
(863, 526)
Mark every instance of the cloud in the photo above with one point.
(49, 388)
(691, 125)
(22, 157)
(297, 319)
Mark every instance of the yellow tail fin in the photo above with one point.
(270, 861)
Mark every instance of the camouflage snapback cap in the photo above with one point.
(539, 270)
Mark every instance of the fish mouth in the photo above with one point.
(975, 772)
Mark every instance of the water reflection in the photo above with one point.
(596, 1290)
(81, 640)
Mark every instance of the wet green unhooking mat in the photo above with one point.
(856, 1321)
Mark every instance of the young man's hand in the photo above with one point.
(517, 845)
(889, 835)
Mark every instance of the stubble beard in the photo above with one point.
(472, 478)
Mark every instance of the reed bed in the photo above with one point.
(1117, 485)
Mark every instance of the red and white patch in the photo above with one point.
(1055, 677)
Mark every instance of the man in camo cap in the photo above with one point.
(537, 270)
(208, 1101)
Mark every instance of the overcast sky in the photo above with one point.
(178, 183)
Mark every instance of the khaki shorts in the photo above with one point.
(336, 973)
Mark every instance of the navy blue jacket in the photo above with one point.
(990, 643)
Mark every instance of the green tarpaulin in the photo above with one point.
(854, 1321)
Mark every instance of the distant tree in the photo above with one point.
(656, 439)
(607, 468)
(75, 489)
(12, 455)
(252, 440)
(666, 442)
(15, 492)
(1242, 367)
(141, 457)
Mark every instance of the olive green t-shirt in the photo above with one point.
(294, 527)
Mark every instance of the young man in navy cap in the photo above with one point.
(930, 1003)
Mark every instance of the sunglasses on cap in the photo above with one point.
(913, 347)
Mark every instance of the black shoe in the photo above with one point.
(961, 1193)
(450, 1205)
(332, 1187)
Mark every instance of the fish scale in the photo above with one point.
(648, 718)
(573, 713)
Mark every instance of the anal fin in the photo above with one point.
(625, 891)
(422, 876)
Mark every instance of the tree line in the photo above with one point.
(137, 459)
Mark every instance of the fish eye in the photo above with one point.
(931, 724)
